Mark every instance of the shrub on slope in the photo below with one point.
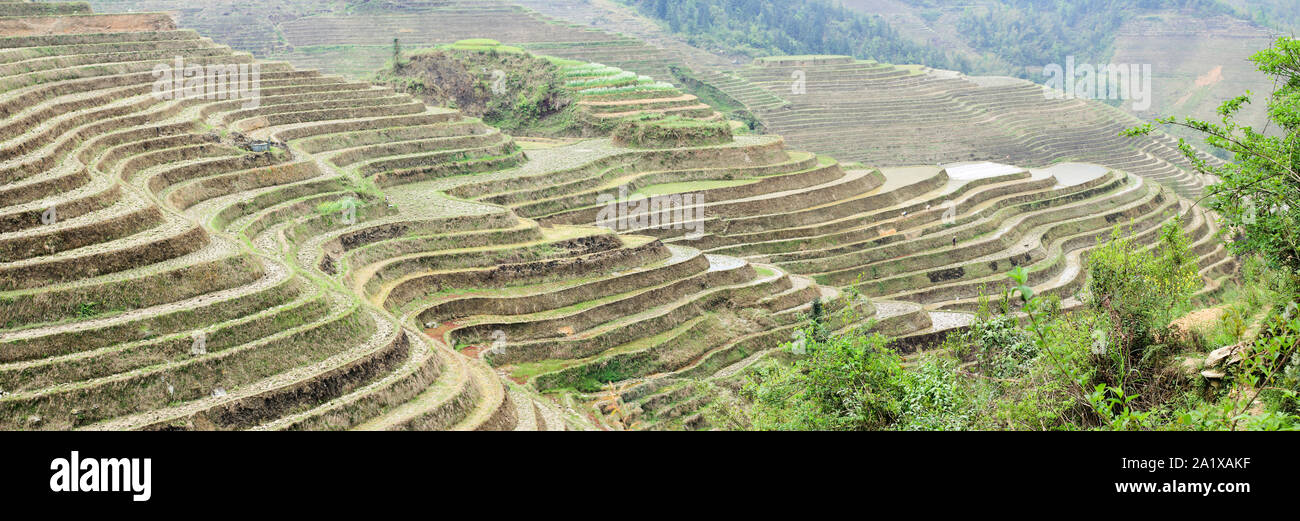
(510, 89)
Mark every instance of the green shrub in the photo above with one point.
(1137, 287)
(1000, 346)
(935, 398)
(848, 382)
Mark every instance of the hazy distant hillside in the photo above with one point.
(1198, 49)
(355, 37)
(793, 27)
(1197, 62)
(1283, 15)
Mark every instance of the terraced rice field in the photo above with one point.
(920, 243)
(883, 114)
(387, 265)
(608, 93)
(357, 43)
(613, 17)
(157, 275)
(247, 26)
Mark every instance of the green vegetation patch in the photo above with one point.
(484, 45)
(505, 86)
(657, 131)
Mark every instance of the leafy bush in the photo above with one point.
(1256, 193)
(935, 398)
(509, 88)
(847, 382)
(1000, 346)
(1138, 287)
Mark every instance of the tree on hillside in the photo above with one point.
(397, 55)
(1258, 194)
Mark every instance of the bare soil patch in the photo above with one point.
(107, 23)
